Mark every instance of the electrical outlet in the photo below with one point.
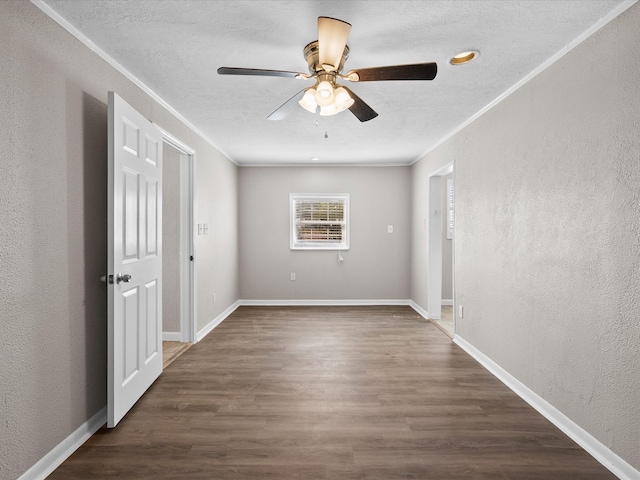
(293, 276)
(460, 311)
(390, 229)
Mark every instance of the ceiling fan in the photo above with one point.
(325, 58)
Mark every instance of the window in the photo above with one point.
(319, 222)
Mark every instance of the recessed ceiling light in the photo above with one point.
(315, 159)
(464, 57)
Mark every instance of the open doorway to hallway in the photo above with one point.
(441, 232)
(178, 304)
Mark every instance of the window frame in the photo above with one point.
(296, 244)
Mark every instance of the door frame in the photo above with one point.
(188, 307)
(434, 282)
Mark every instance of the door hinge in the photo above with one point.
(191, 258)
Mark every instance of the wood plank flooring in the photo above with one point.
(172, 350)
(329, 393)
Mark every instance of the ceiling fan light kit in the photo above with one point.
(325, 59)
(331, 98)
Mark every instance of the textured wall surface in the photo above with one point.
(53, 129)
(375, 267)
(217, 254)
(170, 239)
(547, 246)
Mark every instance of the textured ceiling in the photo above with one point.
(175, 47)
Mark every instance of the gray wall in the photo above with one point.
(171, 159)
(375, 267)
(53, 130)
(548, 233)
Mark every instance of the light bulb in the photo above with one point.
(324, 94)
(308, 101)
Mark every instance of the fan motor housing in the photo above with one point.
(312, 56)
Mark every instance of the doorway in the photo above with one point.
(178, 266)
(440, 283)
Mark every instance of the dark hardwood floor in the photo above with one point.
(329, 393)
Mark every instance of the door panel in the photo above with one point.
(152, 324)
(135, 259)
(130, 300)
(152, 217)
(130, 223)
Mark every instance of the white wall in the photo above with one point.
(53, 132)
(447, 243)
(547, 240)
(376, 267)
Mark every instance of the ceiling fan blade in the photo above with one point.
(332, 38)
(287, 107)
(257, 71)
(415, 71)
(360, 109)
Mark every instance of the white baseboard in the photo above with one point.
(313, 303)
(171, 337)
(64, 449)
(448, 302)
(421, 311)
(597, 450)
(216, 321)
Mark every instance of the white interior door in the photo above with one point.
(134, 258)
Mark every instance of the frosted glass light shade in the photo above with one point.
(343, 99)
(324, 94)
(308, 100)
(327, 110)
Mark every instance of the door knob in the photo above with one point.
(123, 278)
(119, 278)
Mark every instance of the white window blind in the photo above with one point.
(319, 222)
